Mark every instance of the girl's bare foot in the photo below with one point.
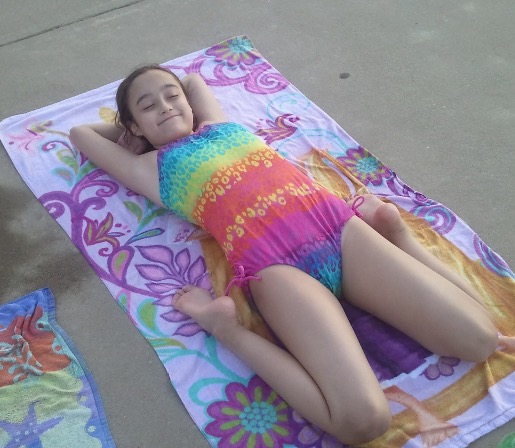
(216, 316)
(383, 217)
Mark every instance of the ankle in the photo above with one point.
(230, 335)
(225, 326)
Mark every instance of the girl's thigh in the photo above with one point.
(380, 278)
(310, 322)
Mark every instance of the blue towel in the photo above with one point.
(47, 394)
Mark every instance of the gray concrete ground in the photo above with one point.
(431, 92)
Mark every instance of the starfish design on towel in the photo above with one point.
(279, 129)
(29, 431)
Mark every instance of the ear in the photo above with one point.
(135, 130)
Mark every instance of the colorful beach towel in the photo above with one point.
(48, 398)
(143, 253)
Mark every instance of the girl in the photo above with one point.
(220, 176)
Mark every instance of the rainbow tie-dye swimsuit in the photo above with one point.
(260, 208)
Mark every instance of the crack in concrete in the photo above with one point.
(71, 22)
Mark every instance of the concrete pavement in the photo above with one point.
(431, 92)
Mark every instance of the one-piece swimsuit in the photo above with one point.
(260, 208)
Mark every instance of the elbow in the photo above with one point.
(73, 134)
(190, 82)
(77, 136)
(191, 77)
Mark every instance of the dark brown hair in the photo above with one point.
(124, 117)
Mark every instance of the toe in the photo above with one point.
(175, 298)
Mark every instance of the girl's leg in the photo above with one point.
(394, 286)
(386, 219)
(324, 374)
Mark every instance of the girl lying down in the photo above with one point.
(250, 198)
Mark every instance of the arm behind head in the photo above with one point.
(205, 106)
(138, 172)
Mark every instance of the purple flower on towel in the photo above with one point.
(238, 62)
(234, 52)
(366, 167)
(252, 416)
(170, 270)
(168, 273)
(443, 367)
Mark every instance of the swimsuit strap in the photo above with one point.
(240, 279)
(357, 203)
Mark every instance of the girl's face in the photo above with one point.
(159, 107)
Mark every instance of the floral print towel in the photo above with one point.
(48, 398)
(143, 253)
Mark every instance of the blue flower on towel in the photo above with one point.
(234, 52)
(252, 416)
(366, 167)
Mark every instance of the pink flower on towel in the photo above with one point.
(366, 167)
(234, 52)
(252, 416)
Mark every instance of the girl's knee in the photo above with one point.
(368, 420)
(480, 343)
(487, 340)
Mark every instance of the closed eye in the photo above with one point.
(149, 107)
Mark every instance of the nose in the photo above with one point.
(166, 107)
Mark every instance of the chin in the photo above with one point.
(183, 133)
(176, 136)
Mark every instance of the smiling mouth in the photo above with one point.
(168, 118)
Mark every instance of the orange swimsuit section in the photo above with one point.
(260, 208)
